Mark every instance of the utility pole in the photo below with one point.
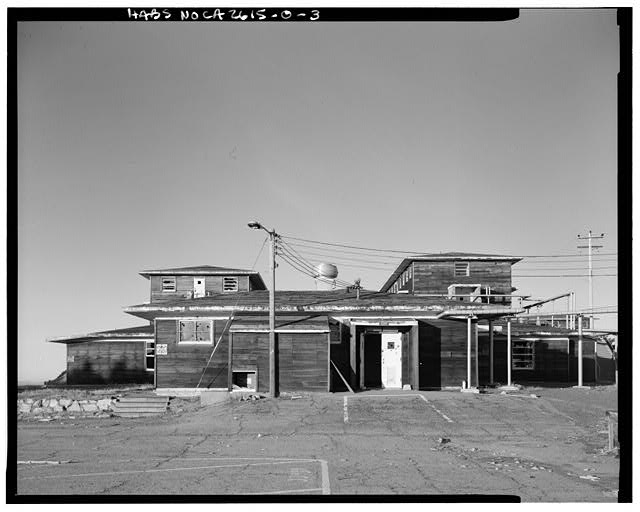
(273, 387)
(590, 237)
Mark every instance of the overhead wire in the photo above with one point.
(395, 251)
(293, 254)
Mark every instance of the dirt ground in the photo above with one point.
(544, 448)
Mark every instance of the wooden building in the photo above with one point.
(465, 276)
(107, 357)
(438, 322)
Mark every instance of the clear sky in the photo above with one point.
(148, 145)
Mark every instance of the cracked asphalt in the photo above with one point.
(548, 448)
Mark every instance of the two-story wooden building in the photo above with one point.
(427, 328)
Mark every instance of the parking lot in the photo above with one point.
(543, 448)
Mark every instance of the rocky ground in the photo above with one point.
(537, 444)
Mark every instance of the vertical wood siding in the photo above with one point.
(302, 359)
(104, 362)
(184, 364)
(436, 276)
(184, 287)
(443, 353)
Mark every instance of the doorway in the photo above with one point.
(391, 359)
(372, 360)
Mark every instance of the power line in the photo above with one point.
(308, 271)
(302, 261)
(418, 253)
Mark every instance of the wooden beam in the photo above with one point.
(491, 376)
(230, 365)
(415, 345)
(343, 379)
(352, 356)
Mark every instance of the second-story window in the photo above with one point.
(461, 268)
(168, 284)
(229, 284)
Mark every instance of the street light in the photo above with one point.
(273, 391)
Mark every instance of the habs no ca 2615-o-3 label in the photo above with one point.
(223, 14)
(161, 349)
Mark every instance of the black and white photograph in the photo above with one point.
(318, 254)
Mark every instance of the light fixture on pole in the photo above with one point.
(273, 391)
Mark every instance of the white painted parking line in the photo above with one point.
(346, 411)
(411, 395)
(284, 492)
(326, 485)
(268, 461)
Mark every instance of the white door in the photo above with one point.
(198, 287)
(391, 360)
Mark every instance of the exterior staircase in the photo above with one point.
(138, 406)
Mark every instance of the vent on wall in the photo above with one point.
(229, 284)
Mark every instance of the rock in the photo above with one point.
(65, 402)
(29, 400)
(53, 403)
(589, 477)
(89, 407)
(37, 403)
(443, 440)
(74, 407)
(37, 411)
(57, 408)
(532, 395)
(45, 402)
(104, 404)
(24, 407)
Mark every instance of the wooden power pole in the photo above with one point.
(590, 246)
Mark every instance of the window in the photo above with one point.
(168, 284)
(523, 354)
(150, 355)
(410, 272)
(195, 331)
(229, 284)
(461, 269)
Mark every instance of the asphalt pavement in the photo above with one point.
(542, 448)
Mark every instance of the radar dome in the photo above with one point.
(328, 270)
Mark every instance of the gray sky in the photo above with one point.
(151, 145)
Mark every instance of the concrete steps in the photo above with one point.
(137, 406)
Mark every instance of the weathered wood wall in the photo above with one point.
(184, 287)
(106, 362)
(302, 359)
(443, 353)
(184, 364)
(553, 365)
(436, 276)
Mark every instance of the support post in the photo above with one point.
(230, 365)
(273, 391)
(509, 352)
(490, 351)
(468, 352)
(353, 377)
(415, 345)
(475, 336)
(579, 351)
